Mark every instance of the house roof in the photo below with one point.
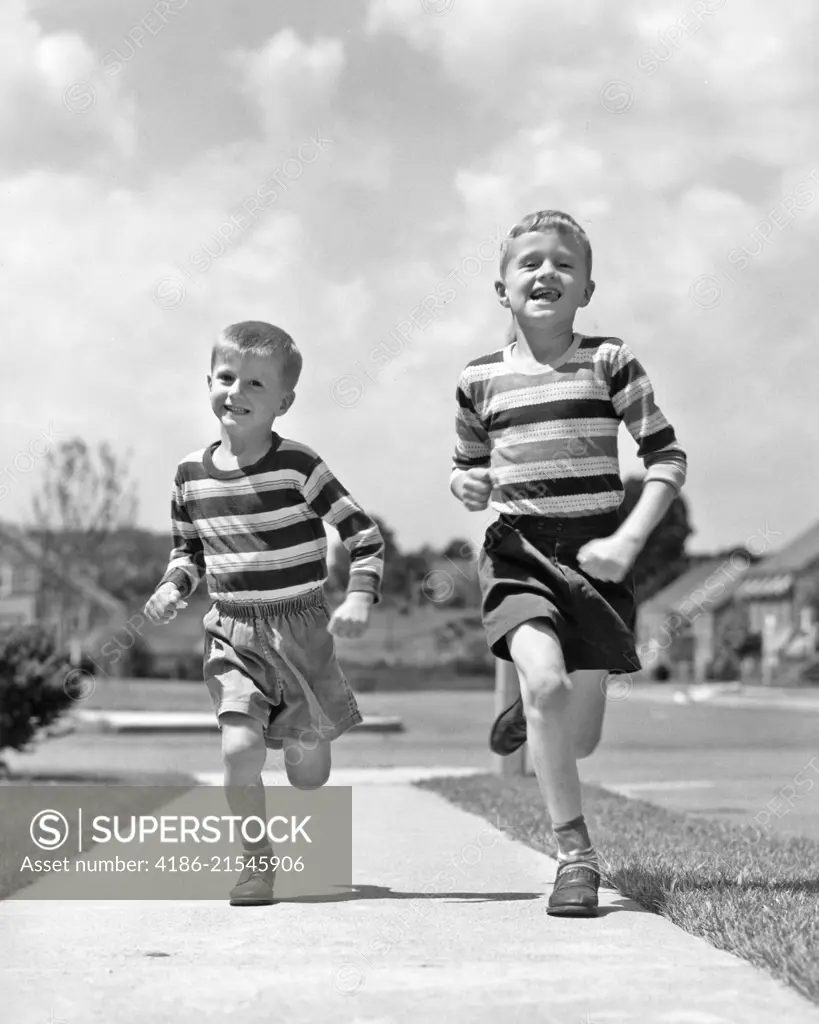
(774, 576)
(727, 575)
(81, 584)
(797, 556)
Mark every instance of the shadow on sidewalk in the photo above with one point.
(383, 892)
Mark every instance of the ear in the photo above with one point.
(500, 289)
(210, 383)
(588, 294)
(287, 402)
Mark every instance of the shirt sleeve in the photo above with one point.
(633, 399)
(186, 567)
(359, 533)
(472, 445)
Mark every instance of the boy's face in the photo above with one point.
(247, 392)
(545, 278)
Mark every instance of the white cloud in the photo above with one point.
(51, 113)
(289, 80)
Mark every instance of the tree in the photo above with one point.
(82, 501)
(663, 558)
(460, 547)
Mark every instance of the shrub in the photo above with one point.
(33, 690)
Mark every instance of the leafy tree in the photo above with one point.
(84, 498)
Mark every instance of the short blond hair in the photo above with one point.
(547, 220)
(257, 338)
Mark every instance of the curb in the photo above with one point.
(187, 721)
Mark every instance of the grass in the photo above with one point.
(19, 803)
(758, 901)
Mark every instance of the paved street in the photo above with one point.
(702, 758)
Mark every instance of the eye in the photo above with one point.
(257, 384)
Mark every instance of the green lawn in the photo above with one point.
(759, 901)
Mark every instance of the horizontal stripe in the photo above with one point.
(256, 534)
(551, 438)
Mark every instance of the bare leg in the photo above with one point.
(308, 765)
(587, 707)
(244, 753)
(546, 691)
(564, 717)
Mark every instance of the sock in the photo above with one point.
(574, 844)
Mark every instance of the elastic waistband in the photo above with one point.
(271, 609)
(566, 529)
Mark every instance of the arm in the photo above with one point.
(633, 399)
(187, 562)
(470, 480)
(666, 465)
(358, 532)
(653, 503)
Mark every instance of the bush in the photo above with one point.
(33, 690)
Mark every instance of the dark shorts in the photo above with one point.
(528, 570)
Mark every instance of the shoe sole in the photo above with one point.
(572, 911)
(252, 902)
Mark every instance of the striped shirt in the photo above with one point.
(549, 436)
(257, 533)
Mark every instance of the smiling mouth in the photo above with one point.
(236, 410)
(545, 294)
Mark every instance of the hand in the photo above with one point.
(164, 604)
(474, 488)
(609, 558)
(352, 617)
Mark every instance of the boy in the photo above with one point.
(537, 429)
(247, 513)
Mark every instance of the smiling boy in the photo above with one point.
(247, 514)
(537, 425)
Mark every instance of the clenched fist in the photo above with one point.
(473, 487)
(164, 604)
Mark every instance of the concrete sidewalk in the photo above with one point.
(446, 921)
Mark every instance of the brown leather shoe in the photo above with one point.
(575, 891)
(254, 887)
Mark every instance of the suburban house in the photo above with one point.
(677, 628)
(780, 596)
(766, 612)
(34, 587)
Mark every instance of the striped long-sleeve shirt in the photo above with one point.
(257, 533)
(549, 436)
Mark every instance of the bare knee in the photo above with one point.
(307, 767)
(543, 690)
(243, 747)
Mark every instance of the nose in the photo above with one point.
(546, 272)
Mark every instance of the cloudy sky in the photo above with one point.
(345, 169)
